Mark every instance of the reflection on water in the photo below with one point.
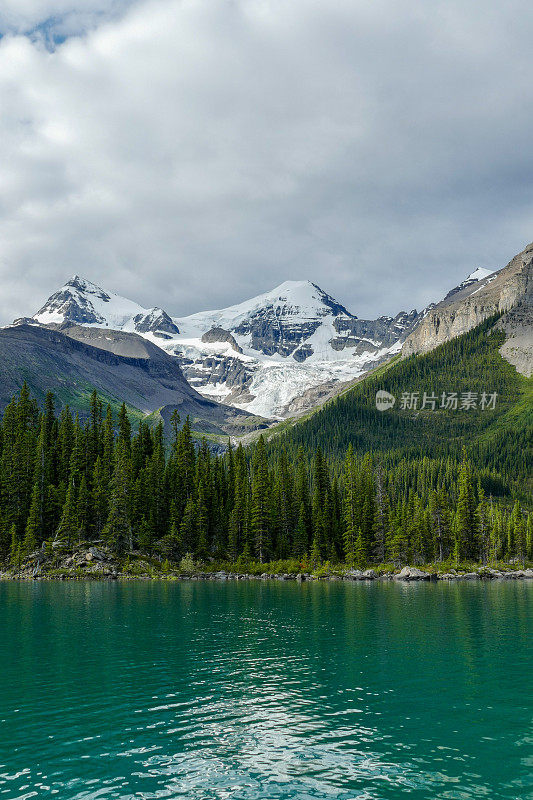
(265, 690)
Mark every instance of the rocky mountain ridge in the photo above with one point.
(472, 302)
(260, 355)
(285, 350)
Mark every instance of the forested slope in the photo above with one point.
(351, 485)
(496, 438)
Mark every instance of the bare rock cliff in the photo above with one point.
(464, 308)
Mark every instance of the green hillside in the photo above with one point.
(496, 438)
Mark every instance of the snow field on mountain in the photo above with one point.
(295, 316)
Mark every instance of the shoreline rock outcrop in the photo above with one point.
(97, 562)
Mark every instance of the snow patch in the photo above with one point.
(480, 274)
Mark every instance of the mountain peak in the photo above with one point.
(303, 298)
(84, 303)
(292, 287)
(79, 282)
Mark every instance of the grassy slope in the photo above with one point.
(78, 397)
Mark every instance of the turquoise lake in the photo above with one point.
(245, 690)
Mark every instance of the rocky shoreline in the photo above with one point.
(94, 563)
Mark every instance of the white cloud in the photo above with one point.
(194, 152)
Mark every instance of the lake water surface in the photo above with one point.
(246, 690)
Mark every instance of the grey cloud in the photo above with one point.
(52, 21)
(191, 155)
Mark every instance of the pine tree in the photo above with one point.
(350, 539)
(318, 528)
(146, 537)
(381, 516)
(482, 517)
(175, 421)
(202, 522)
(188, 527)
(301, 542)
(171, 545)
(34, 527)
(351, 508)
(260, 501)
(465, 518)
(156, 487)
(14, 549)
(117, 531)
(186, 456)
(238, 528)
(418, 533)
(301, 494)
(83, 511)
(94, 435)
(100, 489)
(521, 540)
(316, 555)
(68, 525)
(440, 515)
(367, 501)
(283, 507)
(495, 534)
(512, 529)
(360, 550)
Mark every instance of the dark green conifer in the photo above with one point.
(260, 502)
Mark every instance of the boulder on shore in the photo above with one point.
(353, 575)
(369, 575)
(414, 574)
(518, 573)
(487, 573)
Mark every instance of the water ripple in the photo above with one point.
(265, 691)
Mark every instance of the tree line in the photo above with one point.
(64, 481)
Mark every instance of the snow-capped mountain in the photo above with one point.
(283, 351)
(84, 303)
(261, 355)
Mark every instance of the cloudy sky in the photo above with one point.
(192, 153)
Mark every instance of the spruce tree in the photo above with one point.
(202, 523)
(99, 496)
(68, 526)
(360, 551)
(83, 511)
(465, 517)
(301, 542)
(381, 516)
(260, 501)
(188, 527)
(14, 547)
(117, 531)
